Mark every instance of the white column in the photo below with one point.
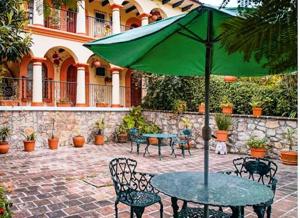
(116, 21)
(115, 87)
(80, 24)
(80, 88)
(144, 19)
(38, 12)
(37, 82)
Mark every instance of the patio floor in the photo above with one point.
(75, 182)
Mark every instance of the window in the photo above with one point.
(100, 17)
(100, 71)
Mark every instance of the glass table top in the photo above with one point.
(160, 135)
(222, 190)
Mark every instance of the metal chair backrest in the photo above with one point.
(122, 170)
(258, 169)
(133, 134)
(187, 133)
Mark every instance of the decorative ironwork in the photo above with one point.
(136, 138)
(189, 212)
(133, 188)
(184, 139)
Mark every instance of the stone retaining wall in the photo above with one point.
(67, 124)
(243, 127)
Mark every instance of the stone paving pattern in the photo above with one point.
(75, 182)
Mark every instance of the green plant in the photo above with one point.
(186, 122)
(256, 101)
(255, 142)
(179, 106)
(4, 133)
(5, 205)
(29, 134)
(226, 102)
(223, 121)
(100, 125)
(289, 136)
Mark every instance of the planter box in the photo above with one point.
(63, 104)
(9, 103)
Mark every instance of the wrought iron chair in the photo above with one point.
(133, 188)
(260, 170)
(184, 140)
(136, 138)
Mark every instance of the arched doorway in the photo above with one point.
(135, 89)
(71, 83)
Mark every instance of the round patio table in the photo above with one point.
(160, 137)
(222, 190)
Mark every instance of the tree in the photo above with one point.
(266, 30)
(14, 41)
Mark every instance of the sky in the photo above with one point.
(232, 3)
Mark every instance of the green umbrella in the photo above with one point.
(184, 45)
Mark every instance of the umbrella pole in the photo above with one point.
(206, 132)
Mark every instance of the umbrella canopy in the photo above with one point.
(185, 45)
(176, 46)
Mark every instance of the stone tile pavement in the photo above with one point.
(75, 182)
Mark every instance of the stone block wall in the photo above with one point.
(273, 128)
(67, 125)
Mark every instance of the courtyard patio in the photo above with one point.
(75, 182)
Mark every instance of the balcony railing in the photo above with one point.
(61, 20)
(20, 89)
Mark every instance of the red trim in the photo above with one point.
(37, 104)
(113, 6)
(116, 105)
(114, 69)
(128, 88)
(81, 65)
(37, 59)
(80, 105)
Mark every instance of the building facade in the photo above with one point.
(60, 71)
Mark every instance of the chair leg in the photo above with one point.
(161, 209)
(269, 211)
(189, 150)
(138, 148)
(260, 211)
(131, 147)
(116, 208)
(131, 212)
(182, 150)
(138, 211)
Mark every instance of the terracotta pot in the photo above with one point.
(29, 146)
(99, 139)
(289, 157)
(59, 104)
(78, 141)
(257, 111)
(101, 104)
(201, 109)
(227, 110)
(230, 79)
(53, 143)
(258, 152)
(222, 135)
(4, 147)
(122, 138)
(153, 141)
(9, 103)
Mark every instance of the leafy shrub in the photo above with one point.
(223, 121)
(5, 205)
(279, 93)
(254, 142)
(179, 107)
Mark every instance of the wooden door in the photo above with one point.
(136, 91)
(71, 83)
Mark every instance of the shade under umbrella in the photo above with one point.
(184, 45)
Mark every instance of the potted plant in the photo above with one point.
(99, 137)
(78, 140)
(223, 122)
(179, 107)
(226, 105)
(289, 156)
(230, 79)
(201, 108)
(256, 104)
(64, 102)
(151, 128)
(122, 134)
(53, 141)
(29, 142)
(5, 204)
(4, 146)
(258, 147)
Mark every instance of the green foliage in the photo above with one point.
(223, 121)
(255, 142)
(290, 137)
(4, 133)
(186, 122)
(100, 125)
(279, 93)
(5, 205)
(14, 41)
(226, 102)
(29, 134)
(179, 106)
(267, 32)
(135, 119)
